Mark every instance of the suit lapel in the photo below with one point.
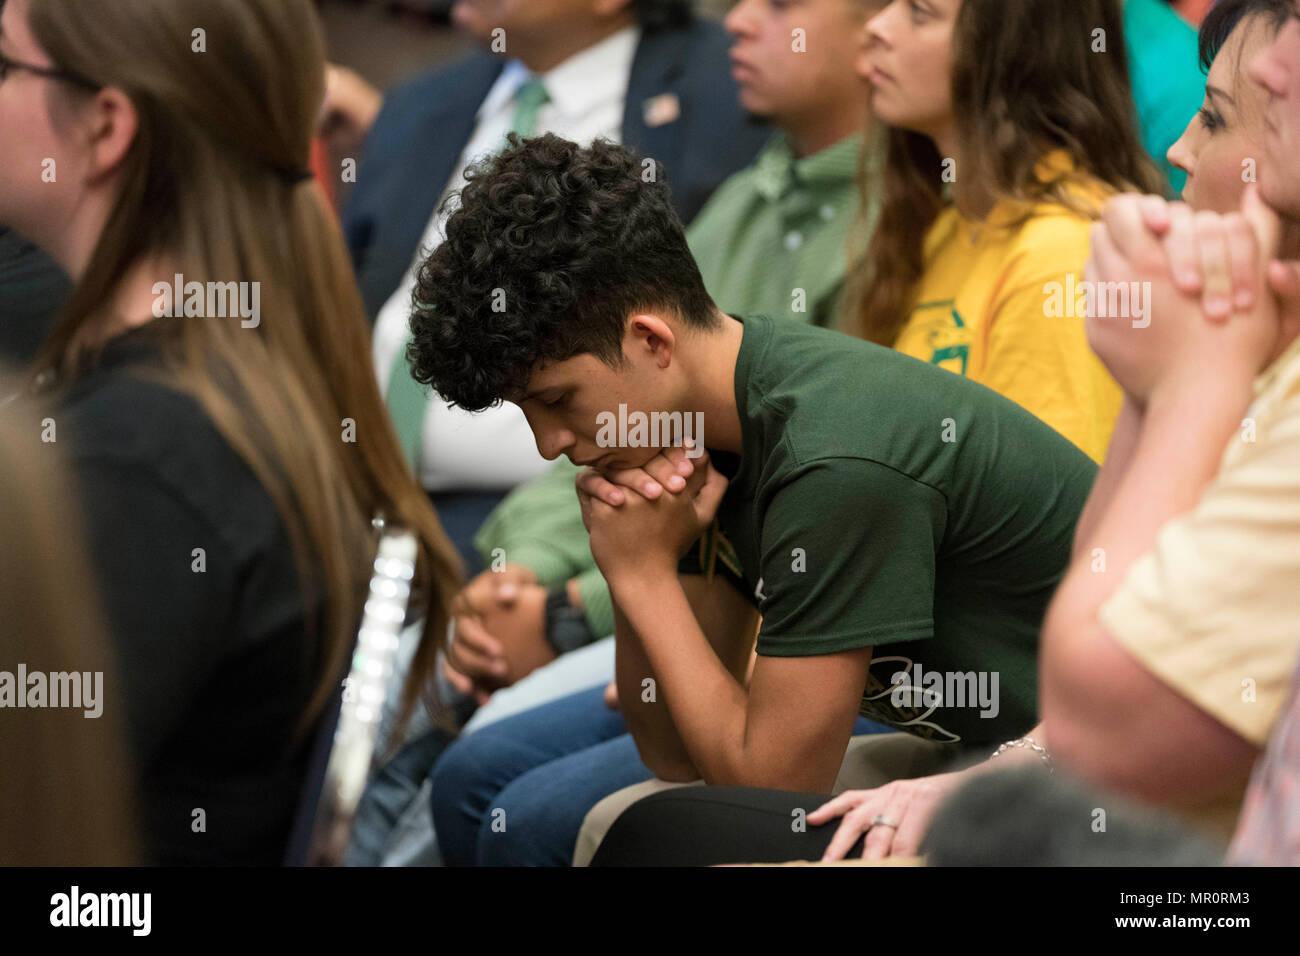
(438, 141)
(655, 70)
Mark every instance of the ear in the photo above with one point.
(113, 126)
(648, 336)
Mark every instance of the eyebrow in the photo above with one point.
(545, 388)
(1214, 93)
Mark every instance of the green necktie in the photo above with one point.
(407, 399)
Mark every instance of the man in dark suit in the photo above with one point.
(32, 291)
(682, 108)
(646, 73)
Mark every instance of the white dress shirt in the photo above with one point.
(494, 450)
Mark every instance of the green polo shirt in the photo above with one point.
(774, 238)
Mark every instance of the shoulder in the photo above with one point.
(1056, 239)
(127, 414)
(477, 66)
(692, 59)
(130, 441)
(726, 205)
(701, 35)
(412, 103)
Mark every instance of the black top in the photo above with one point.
(214, 658)
(32, 291)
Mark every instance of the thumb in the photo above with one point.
(1266, 223)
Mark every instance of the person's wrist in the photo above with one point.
(648, 573)
(1195, 388)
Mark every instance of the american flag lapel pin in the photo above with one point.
(662, 109)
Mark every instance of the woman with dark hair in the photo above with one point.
(1010, 123)
(211, 386)
(1220, 147)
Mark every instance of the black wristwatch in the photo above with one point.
(566, 625)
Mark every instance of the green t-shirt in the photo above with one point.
(883, 502)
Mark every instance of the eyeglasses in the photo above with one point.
(8, 65)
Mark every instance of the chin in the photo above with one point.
(754, 102)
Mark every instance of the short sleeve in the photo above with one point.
(1043, 364)
(848, 560)
(1211, 608)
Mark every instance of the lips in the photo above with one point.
(741, 67)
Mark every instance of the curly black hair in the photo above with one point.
(553, 247)
(664, 14)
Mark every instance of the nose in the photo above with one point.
(876, 32)
(553, 441)
(549, 435)
(1181, 155)
(739, 21)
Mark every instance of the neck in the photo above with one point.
(73, 247)
(945, 141)
(713, 370)
(823, 127)
(545, 52)
(131, 305)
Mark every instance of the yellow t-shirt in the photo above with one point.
(989, 307)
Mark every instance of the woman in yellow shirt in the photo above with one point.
(1002, 145)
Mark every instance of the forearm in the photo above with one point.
(1119, 456)
(1176, 453)
(705, 699)
(644, 710)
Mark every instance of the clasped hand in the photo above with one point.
(648, 532)
(1213, 283)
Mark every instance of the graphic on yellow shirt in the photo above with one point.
(947, 337)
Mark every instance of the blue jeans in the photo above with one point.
(516, 792)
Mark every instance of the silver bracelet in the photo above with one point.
(1026, 743)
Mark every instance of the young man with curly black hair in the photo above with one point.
(899, 529)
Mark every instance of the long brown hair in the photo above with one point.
(65, 799)
(1025, 82)
(210, 184)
